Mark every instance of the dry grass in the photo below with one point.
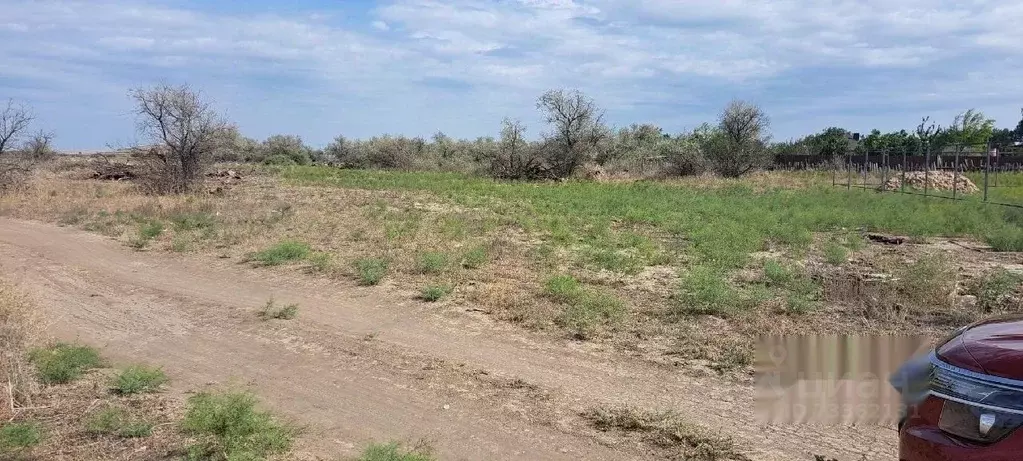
(672, 436)
(84, 420)
(19, 331)
(494, 254)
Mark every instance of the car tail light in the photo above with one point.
(977, 424)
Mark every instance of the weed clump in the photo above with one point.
(394, 452)
(282, 253)
(434, 293)
(116, 422)
(64, 363)
(271, 311)
(138, 379)
(227, 426)
(433, 262)
(370, 271)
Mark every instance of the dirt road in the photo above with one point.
(361, 364)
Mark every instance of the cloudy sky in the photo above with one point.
(319, 68)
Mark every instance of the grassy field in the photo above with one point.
(684, 272)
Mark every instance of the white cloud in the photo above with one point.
(639, 58)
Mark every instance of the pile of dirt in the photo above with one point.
(933, 180)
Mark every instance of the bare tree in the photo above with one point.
(183, 131)
(14, 120)
(577, 126)
(514, 157)
(739, 144)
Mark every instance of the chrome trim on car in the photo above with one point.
(988, 392)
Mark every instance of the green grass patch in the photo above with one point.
(147, 231)
(17, 436)
(321, 262)
(706, 291)
(431, 262)
(835, 254)
(776, 273)
(563, 288)
(64, 363)
(282, 253)
(190, 221)
(475, 258)
(138, 379)
(592, 310)
(370, 271)
(117, 422)
(394, 452)
(434, 293)
(272, 311)
(228, 426)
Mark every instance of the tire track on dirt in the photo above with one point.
(196, 317)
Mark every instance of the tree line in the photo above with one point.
(182, 134)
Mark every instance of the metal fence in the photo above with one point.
(979, 173)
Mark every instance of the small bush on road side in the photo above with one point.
(434, 293)
(370, 270)
(138, 379)
(271, 311)
(282, 253)
(64, 363)
(394, 452)
(227, 426)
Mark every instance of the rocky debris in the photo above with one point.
(107, 171)
(887, 239)
(225, 174)
(933, 180)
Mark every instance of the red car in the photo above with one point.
(969, 401)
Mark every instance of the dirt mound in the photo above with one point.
(933, 180)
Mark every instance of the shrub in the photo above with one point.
(64, 363)
(434, 293)
(394, 452)
(227, 426)
(114, 421)
(271, 311)
(739, 144)
(370, 270)
(138, 379)
(19, 436)
(433, 262)
(282, 253)
(184, 131)
(286, 150)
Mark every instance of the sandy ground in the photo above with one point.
(361, 364)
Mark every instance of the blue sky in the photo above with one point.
(319, 68)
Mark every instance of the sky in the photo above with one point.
(321, 68)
